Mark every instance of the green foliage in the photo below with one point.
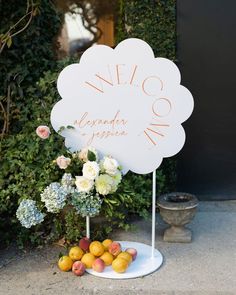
(27, 168)
(25, 160)
(31, 53)
(153, 21)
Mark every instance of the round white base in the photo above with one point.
(143, 265)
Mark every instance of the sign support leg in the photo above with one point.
(87, 227)
(153, 211)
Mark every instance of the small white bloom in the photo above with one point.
(110, 165)
(116, 181)
(90, 170)
(83, 184)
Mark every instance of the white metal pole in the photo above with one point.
(87, 227)
(153, 211)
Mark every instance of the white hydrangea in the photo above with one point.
(67, 179)
(28, 214)
(67, 183)
(54, 196)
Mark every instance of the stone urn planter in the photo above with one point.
(177, 209)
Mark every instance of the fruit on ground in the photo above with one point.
(65, 263)
(98, 265)
(88, 260)
(96, 248)
(106, 243)
(107, 258)
(78, 268)
(133, 252)
(127, 256)
(114, 248)
(84, 244)
(76, 253)
(120, 265)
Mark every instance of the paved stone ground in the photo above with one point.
(206, 266)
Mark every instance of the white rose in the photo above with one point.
(90, 170)
(83, 184)
(63, 162)
(83, 154)
(110, 165)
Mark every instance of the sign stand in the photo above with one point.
(157, 119)
(88, 227)
(153, 211)
(148, 259)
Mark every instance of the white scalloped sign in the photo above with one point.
(124, 102)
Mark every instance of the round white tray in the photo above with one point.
(143, 265)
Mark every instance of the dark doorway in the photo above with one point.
(206, 52)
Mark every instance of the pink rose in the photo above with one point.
(43, 132)
(63, 162)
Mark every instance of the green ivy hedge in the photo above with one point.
(153, 21)
(30, 69)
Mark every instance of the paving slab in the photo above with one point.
(207, 266)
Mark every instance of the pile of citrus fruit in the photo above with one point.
(97, 255)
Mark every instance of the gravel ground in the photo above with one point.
(205, 266)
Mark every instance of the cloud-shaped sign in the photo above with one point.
(125, 103)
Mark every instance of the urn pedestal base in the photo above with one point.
(176, 234)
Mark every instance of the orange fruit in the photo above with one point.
(88, 260)
(106, 243)
(127, 256)
(107, 258)
(65, 263)
(120, 265)
(96, 248)
(76, 253)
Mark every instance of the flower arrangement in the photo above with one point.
(86, 181)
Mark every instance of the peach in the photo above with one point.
(84, 244)
(98, 265)
(114, 248)
(133, 252)
(78, 268)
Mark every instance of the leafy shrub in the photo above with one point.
(26, 161)
(27, 168)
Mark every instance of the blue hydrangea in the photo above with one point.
(28, 214)
(54, 196)
(86, 204)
